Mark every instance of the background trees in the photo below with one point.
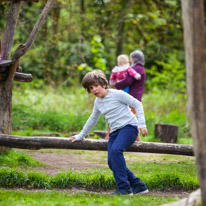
(80, 35)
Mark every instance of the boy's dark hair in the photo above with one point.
(94, 77)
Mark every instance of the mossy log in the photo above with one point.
(90, 144)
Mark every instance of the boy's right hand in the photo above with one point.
(143, 131)
(74, 138)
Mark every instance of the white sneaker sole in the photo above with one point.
(143, 192)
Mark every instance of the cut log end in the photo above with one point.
(166, 132)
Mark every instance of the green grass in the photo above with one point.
(10, 197)
(65, 110)
(176, 172)
(13, 158)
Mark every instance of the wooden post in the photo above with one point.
(166, 132)
(194, 40)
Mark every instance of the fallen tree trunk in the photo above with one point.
(90, 144)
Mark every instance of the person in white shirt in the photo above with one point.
(114, 105)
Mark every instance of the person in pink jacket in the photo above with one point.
(120, 72)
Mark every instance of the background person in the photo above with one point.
(136, 87)
(122, 70)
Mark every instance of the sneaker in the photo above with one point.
(123, 192)
(140, 190)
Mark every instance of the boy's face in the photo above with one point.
(97, 90)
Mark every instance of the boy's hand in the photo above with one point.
(74, 138)
(143, 131)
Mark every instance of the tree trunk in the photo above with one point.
(90, 144)
(11, 23)
(6, 102)
(194, 37)
(121, 23)
(6, 85)
(5, 108)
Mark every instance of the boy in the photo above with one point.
(114, 105)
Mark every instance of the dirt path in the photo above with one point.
(58, 162)
(73, 161)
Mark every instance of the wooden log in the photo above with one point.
(90, 144)
(4, 65)
(19, 77)
(166, 132)
(22, 77)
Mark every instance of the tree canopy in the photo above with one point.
(82, 35)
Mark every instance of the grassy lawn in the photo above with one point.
(11, 197)
(159, 172)
(60, 111)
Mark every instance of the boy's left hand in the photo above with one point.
(143, 131)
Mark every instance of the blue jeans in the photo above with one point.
(119, 141)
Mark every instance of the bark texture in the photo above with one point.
(11, 22)
(194, 37)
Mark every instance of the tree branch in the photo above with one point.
(11, 22)
(22, 49)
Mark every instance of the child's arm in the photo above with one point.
(133, 73)
(124, 83)
(94, 117)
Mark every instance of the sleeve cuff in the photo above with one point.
(78, 137)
